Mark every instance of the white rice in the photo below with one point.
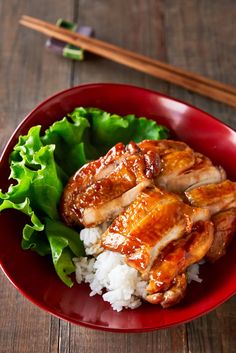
(91, 238)
(107, 272)
(193, 272)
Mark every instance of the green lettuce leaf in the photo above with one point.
(67, 136)
(33, 237)
(108, 129)
(65, 244)
(41, 165)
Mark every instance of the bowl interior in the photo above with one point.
(34, 276)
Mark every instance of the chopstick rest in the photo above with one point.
(65, 49)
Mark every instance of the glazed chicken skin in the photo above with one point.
(174, 261)
(171, 296)
(225, 228)
(160, 237)
(153, 220)
(214, 197)
(100, 190)
(181, 167)
(220, 200)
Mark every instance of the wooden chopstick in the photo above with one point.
(194, 82)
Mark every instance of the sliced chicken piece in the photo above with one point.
(109, 209)
(179, 255)
(176, 157)
(153, 220)
(201, 173)
(173, 295)
(214, 197)
(100, 190)
(225, 229)
(181, 167)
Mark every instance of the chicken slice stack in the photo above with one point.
(161, 236)
(170, 206)
(148, 225)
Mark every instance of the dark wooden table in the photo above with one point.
(197, 35)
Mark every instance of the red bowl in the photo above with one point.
(34, 276)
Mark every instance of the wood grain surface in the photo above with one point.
(196, 35)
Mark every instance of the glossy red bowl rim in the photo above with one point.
(8, 148)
